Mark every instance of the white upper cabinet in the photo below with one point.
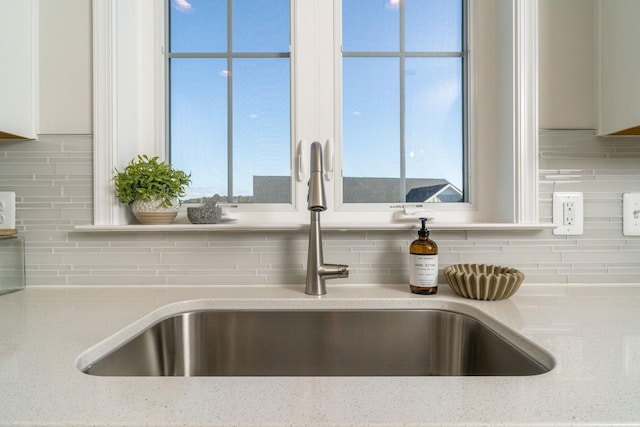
(18, 73)
(618, 67)
(566, 64)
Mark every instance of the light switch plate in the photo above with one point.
(7, 210)
(568, 214)
(631, 214)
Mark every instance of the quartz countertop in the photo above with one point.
(592, 332)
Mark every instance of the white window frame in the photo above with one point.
(129, 117)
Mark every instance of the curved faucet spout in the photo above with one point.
(317, 270)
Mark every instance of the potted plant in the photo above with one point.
(152, 188)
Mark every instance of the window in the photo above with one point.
(500, 122)
(229, 103)
(402, 99)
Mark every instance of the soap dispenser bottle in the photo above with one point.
(423, 263)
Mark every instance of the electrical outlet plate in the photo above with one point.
(631, 214)
(568, 214)
(7, 210)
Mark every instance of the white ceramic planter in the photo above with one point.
(153, 212)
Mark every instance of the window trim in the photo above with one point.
(127, 107)
(127, 83)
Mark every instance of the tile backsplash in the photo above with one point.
(52, 178)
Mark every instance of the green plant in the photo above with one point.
(148, 178)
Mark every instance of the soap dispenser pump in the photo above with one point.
(423, 263)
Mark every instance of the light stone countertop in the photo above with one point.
(593, 333)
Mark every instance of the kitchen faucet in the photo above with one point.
(317, 270)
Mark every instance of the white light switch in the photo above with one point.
(631, 214)
(568, 214)
(7, 210)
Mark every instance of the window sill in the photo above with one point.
(298, 227)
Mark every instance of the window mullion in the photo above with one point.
(403, 161)
(229, 101)
(230, 129)
(313, 84)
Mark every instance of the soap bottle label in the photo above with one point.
(424, 270)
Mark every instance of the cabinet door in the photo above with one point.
(619, 67)
(18, 83)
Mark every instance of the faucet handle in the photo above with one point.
(333, 271)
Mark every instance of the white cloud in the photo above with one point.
(183, 6)
(392, 4)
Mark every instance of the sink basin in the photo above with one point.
(411, 342)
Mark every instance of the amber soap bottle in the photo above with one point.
(423, 263)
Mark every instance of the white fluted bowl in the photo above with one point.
(482, 281)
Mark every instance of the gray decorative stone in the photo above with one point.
(210, 213)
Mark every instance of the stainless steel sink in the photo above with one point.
(318, 343)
